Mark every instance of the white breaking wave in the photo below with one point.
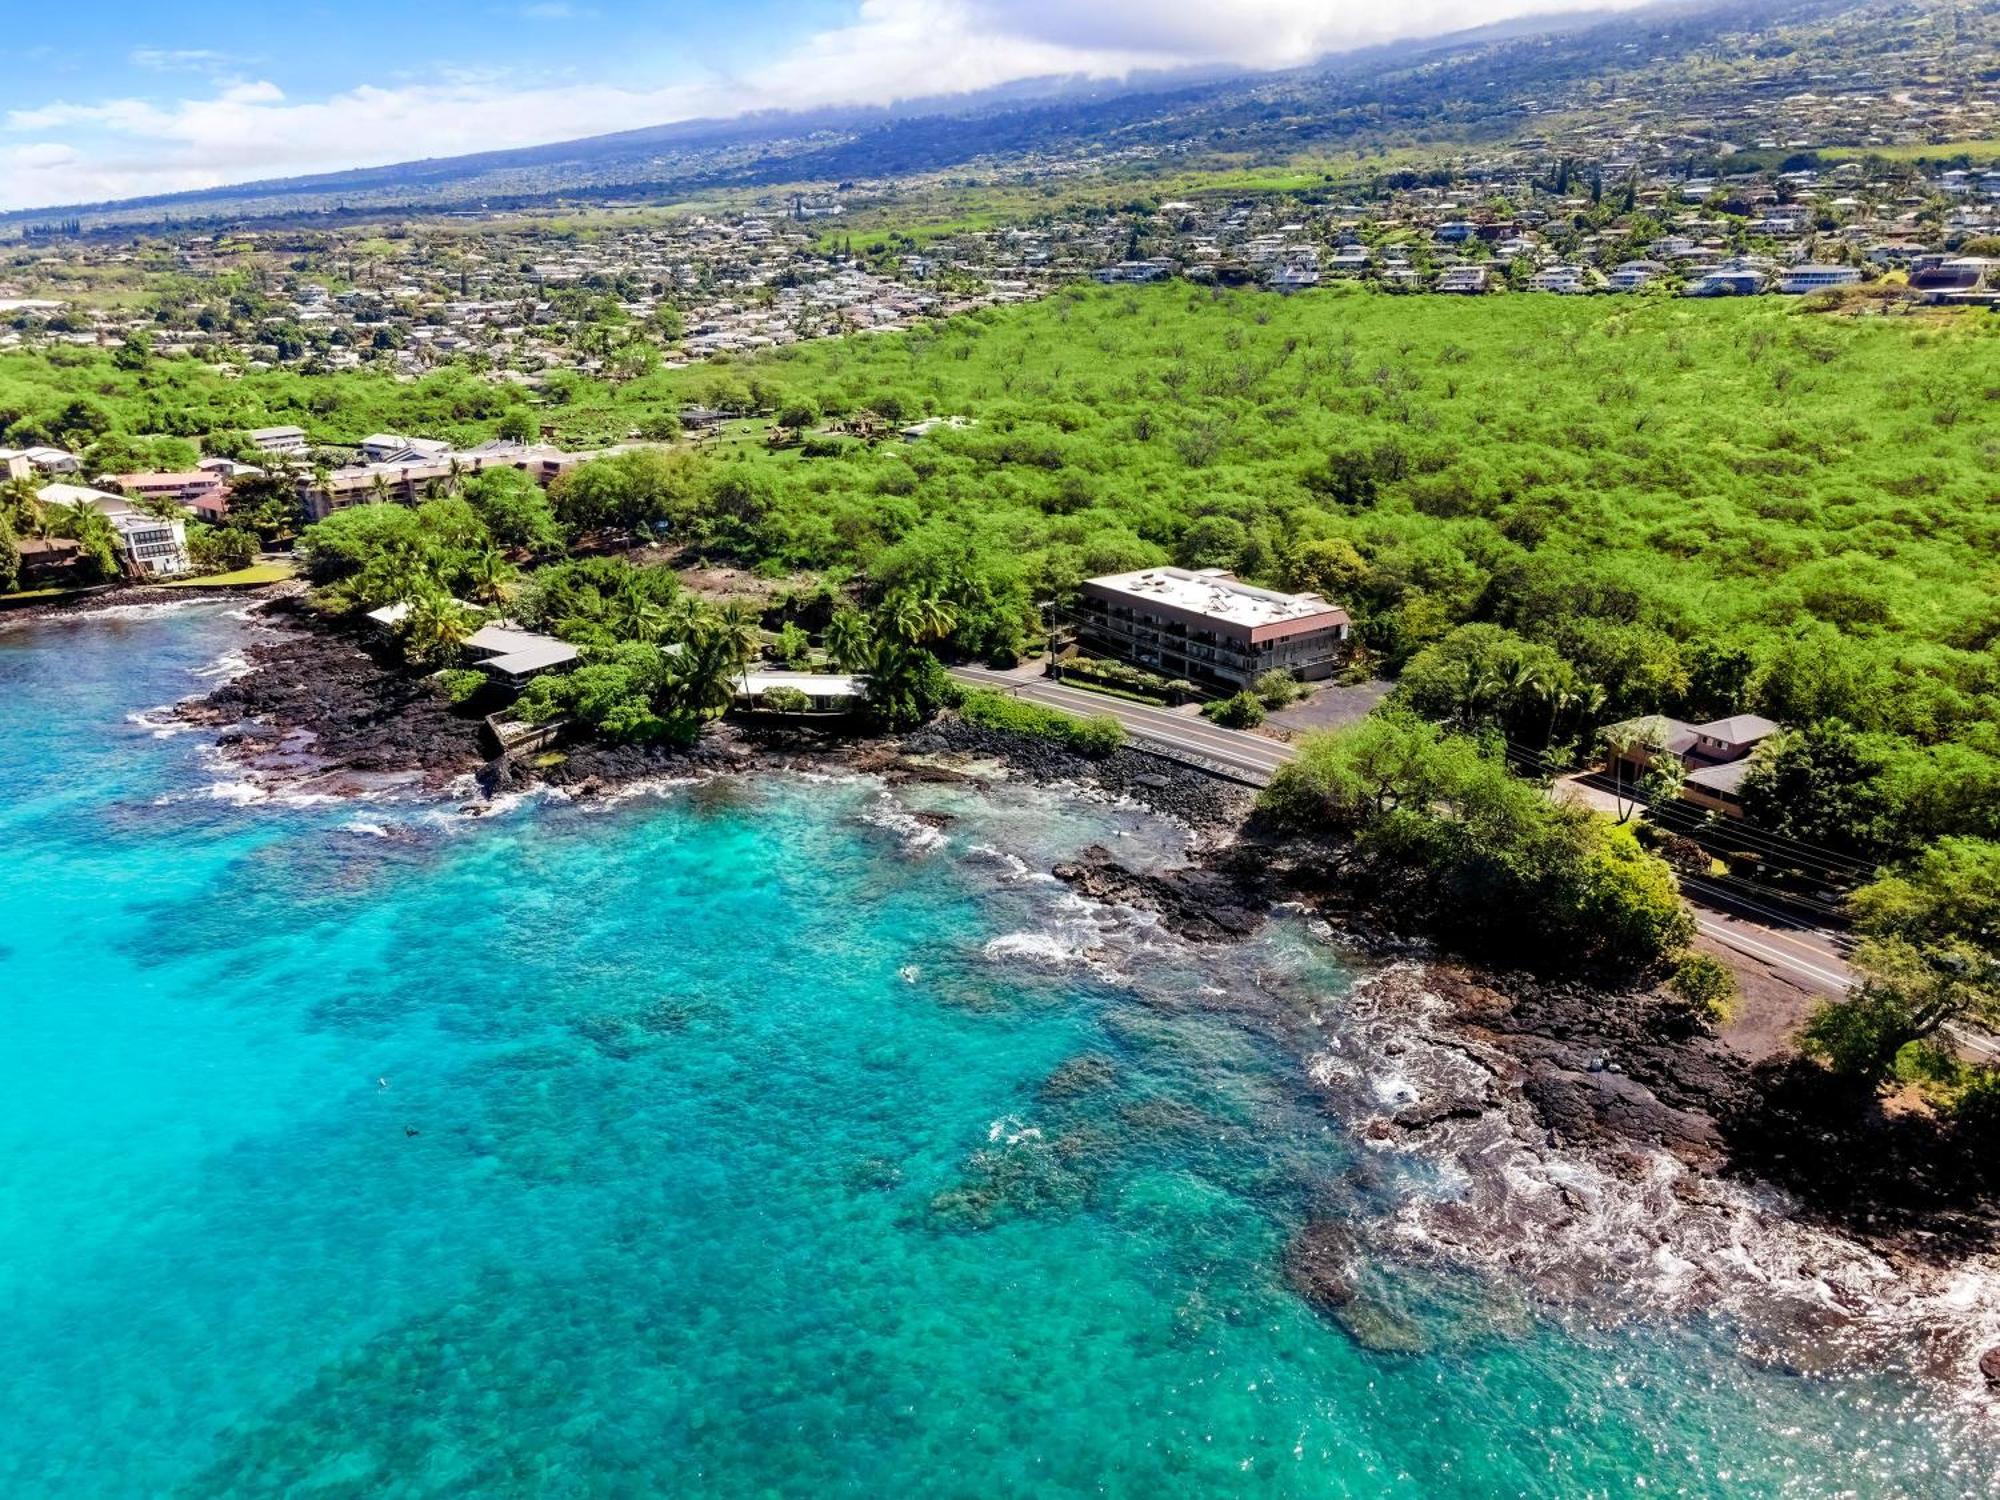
(1035, 947)
(150, 611)
(1620, 1231)
(226, 667)
(153, 721)
(917, 836)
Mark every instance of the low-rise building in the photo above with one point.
(149, 546)
(412, 481)
(1564, 281)
(284, 440)
(1714, 757)
(1209, 627)
(1728, 283)
(1799, 280)
(200, 490)
(1464, 281)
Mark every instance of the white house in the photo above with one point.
(1798, 280)
(153, 546)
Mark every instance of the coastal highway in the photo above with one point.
(1249, 758)
(1806, 956)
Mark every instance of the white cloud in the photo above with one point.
(184, 60)
(892, 49)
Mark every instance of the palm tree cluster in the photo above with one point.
(905, 682)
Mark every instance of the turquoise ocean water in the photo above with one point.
(744, 1140)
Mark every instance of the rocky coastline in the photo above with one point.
(1631, 1134)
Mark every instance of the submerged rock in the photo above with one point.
(1321, 1264)
(1380, 1328)
(1202, 905)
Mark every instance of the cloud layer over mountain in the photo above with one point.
(238, 125)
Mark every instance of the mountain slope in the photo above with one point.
(1465, 87)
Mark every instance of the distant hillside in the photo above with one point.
(1463, 87)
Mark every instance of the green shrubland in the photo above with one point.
(1097, 735)
(1452, 841)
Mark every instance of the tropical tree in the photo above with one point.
(91, 530)
(916, 619)
(1929, 956)
(435, 628)
(488, 575)
(849, 641)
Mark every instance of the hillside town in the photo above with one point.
(521, 299)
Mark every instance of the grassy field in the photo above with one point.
(1983, 152)
(256, 573)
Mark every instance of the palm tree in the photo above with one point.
(1589, 703)
(489, 573)
(848, 640)
(735, 629)
(683, 617)
(636, 615)
(1521, 680)
(917, 619)
(703, 674)
(435, 627)
(89, 528)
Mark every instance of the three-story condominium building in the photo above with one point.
(1209, 627)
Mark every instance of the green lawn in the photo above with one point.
(256, 573)
(1979, 152)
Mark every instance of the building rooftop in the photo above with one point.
(520, 653)
(1218, 596)
(1739, 729)
(817, 685)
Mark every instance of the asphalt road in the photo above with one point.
(1245, 757)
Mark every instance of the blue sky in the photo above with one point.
(115, 98)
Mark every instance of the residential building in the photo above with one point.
(392, 448)
(1208, 627)
(229, 468)
(1468, 281)
(1721, 283)
(1714, 757)
(281, 440)
(1798, 280)
(150, 546)
(26, 463)
(1633, 275)
(1565, 281)
(200, 490)
(154, 547)
(410, 482)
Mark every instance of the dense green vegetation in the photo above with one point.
(1097, 735)
(1546, 514)
(1452, 840)
(1929, 957)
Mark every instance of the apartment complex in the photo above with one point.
(1208, 627)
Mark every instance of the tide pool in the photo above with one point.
(746, 1139)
